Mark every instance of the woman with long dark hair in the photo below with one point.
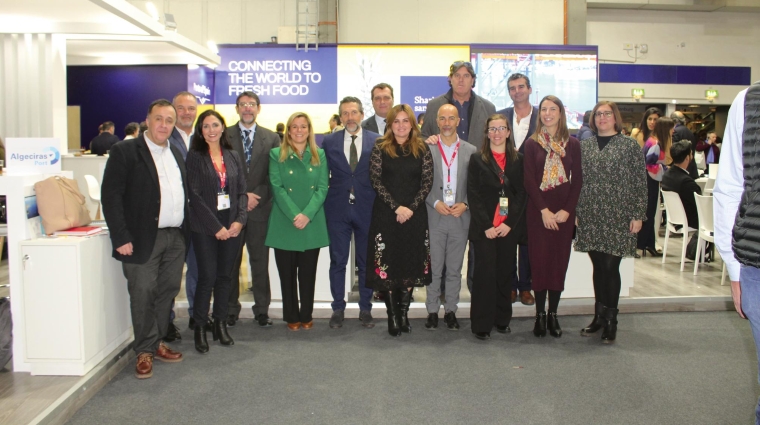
(496, 194)
(401, 172)
(641, 134)
(216, 180)
(655, 151)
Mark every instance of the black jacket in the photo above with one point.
(483, 192)
(679, 181)
(102, 143)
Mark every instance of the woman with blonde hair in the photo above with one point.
(655, 155)
(401, 172)
(297, 225)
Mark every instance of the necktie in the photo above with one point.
(248, 147)
(353, 158)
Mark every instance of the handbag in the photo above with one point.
(60, 204)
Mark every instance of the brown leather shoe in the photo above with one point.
(167, 355)
(514, 296)
(308, 325)
(527, 298)
(144, 367)
(294, 326)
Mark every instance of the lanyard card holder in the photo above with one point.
(503, 205)
(222, 201)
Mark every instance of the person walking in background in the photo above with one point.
(611, 208)
(216, 177)
(553, 181)
(297, 226)
(654, 156)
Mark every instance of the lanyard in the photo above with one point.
(220, 170)
(443, 155)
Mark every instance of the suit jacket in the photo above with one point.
(436, 192)
(257, 177)
(510, 114)
(683, 133)
(480, 110)
(204, 187)
(342, 179)
(131, 198)
(176, 140)
(679, 181)
(102, 143)
(483, 192)
(370, 124)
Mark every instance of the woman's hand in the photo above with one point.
(635, 226)
(403, 214)
(301, 221)
(235, 229)
(223, 234)
(502, 230)
(491, 233)
(549, 221)
(561, 216)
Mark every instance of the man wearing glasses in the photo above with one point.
(253, 143)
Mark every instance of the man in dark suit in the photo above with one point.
(522, 118)
(144, 197)
(348, 207)
(103, 142)
(681, 132)
(677, 179)
(253, 143)
(382, 102)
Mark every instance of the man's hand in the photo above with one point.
(432, 139)
(235, 229)
(223, 234)
(736, 294)
(301, 221)
(442, 208)
(125, 249)
(253, 200)
(635, 226)
(458, 209)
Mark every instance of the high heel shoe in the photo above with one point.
(539, 329)
(553, 325)
(610, 325)
(405, 298)
(392, 307)
(220, 333)
(598, 321)
(653, 252)
(201, 343)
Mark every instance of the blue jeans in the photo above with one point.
(750, 284)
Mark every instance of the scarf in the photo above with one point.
(554, 171)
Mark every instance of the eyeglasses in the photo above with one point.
(495, 129)
(603, 114)
(248, 105)
(457, 64)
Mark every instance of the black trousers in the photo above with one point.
(216, 260)
(495, 265)
(646, 237)
(298, 276)
(254, 234)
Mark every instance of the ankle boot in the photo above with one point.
(598, 321)
(539, 329)
(201, 343)
(220, 332)
(404, 301)
(391, 308)
(553, 324)
(610, 325)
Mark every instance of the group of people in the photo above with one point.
(512, 184)
(102, 143)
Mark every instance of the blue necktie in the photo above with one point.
(248, 147)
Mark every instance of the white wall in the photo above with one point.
(714, 38)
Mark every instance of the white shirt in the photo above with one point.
(347, 145)
(380, 124)
(128, 136)
(170, 182)
(242, 128)
(729, 186)
(521, 129)
(185, 137)
(449, 152)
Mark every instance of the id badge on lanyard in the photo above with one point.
(448, 193)
(222, 201)
(503, 205)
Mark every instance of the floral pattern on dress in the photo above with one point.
(380, 268)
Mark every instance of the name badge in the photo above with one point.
(222, 201)
(448, 196)
(503, 206)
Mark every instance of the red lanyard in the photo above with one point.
(443, 155)
(221, 171)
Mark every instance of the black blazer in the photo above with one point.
(483, 192)
(102, 143)
(205, 186)
(679, 181)
(131, 198)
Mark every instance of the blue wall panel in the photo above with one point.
(674, 74)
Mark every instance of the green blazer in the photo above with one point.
(297, 187)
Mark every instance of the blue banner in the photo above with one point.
(200, 82)
(279, 75)
(418, 91)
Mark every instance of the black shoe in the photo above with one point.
(391, 307)
(263, 320)
(403, 302)
(231, 319)
(653, 252)
(191, 324)
(451, 321)
(483, 335)
(539, 329)
(432, 321)
(553, 325)
(503, 329)
(220, 333)
(172, 333)
(636, 255)
(598, 321)
(610, 325)
(201, 343)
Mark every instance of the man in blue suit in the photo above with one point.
(348, 206)
(522, 118)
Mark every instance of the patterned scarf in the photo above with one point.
(554, 171)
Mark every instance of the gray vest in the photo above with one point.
(746, 234)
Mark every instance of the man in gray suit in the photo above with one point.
(382, 102)
(448, 217)
(253, 143)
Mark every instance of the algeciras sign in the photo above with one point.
(32, 156)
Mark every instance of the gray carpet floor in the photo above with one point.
(666, 368)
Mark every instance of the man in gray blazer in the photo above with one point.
(448, 216)
(382, 102)
(253, 143)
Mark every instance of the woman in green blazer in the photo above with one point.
(297, 225)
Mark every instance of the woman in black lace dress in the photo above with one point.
(401, 171)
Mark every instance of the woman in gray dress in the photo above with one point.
(610, 210)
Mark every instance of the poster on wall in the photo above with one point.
(200, 82)
(25, 156)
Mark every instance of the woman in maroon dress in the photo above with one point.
(553, 181)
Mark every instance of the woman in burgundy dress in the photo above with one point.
(553, 181)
